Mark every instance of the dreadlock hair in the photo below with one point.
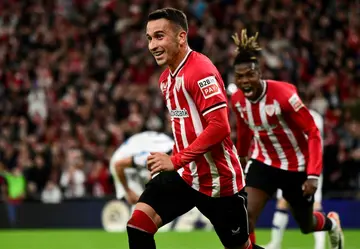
(247, 48)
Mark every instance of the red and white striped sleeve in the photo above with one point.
(296, 111)
(208, 92)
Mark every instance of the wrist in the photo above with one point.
(243, 158)
(316, 177)
(176, 161)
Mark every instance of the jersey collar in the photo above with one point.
(182, 63)
(264, 84)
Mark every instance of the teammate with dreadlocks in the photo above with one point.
(283, 133)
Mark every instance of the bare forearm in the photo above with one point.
(120, 167)
(123, 180)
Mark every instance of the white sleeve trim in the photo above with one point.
(215, 108)
(313, 177)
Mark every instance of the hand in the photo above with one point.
(131, 197)
(158, 162)
(243, 162)
(310, 186)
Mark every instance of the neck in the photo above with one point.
(260, 91)
(178, 59)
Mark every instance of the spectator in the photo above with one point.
(14, 192)
(37, 175)
(72, 180)
(73, 177)
(51, 193)
(98, 180)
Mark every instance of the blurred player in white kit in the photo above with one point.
(128, 163)
(129, 170)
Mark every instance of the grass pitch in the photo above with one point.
(97, 239)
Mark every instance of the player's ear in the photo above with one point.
(182, 36)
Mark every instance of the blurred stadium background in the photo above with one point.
(77, 80)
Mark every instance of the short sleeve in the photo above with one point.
(208, 92)
(140, 159)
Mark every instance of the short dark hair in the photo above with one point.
(175, 16)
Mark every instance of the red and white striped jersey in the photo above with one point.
(281, 128)
(192, 91)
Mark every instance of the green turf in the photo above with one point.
(96, 239)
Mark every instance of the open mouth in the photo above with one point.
(248, 91)
(158, 54)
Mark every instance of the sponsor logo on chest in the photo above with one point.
(179, 113)
(163, 86)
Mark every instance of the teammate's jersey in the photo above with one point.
(138, 147)
(279, 124)
(192, 91)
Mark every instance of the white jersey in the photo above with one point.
(138, 147)
(319, 121)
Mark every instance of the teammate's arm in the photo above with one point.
(244, 135)
(120, 167)
(301, 117)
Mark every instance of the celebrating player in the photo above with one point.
(286, 151)
(204, 170)
(128, 163)
(281, 216)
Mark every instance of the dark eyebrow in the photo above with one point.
(156, 33)
(245, 72)
(159, 32)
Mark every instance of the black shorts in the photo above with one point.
(269, 179)
(170, 196)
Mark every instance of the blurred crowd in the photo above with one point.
(77, 79)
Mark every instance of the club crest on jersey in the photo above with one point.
(270, 110)
(178, 82)
(241, 110)
(296, 102)
(209, 87)
(163, 86)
